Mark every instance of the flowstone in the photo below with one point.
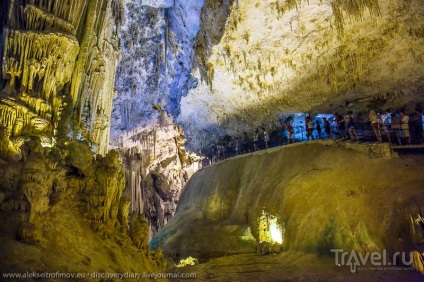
(306, 197)
(157, 167)
(57, 55)
(68, 207)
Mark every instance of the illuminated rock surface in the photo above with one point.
(157, 168)
(59, 57)
(157, 59)
(324, 196)
(212, 67)
(252, 60)
(60, 209)
(303, 56)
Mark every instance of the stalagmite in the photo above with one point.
(157, 168)
(106, 104)
(58, 62)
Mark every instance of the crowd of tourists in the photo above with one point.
(397, 128)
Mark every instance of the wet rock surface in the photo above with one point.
(324, 196)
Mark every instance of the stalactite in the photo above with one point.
(354, 9)
(156, 153)
(166, 42)
(54, 49)
(38, 19)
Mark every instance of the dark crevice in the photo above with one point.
(74, 172)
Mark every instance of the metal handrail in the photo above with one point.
(278, 137)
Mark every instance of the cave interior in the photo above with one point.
(222, 140)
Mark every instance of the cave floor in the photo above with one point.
(291, 266)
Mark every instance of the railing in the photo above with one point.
(278, 137)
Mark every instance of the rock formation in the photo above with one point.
(59, 56)
(62, 206)
(203, 69)
(259, 59)
(157, 168)
(317, 196)
(221, 65)
(157, 56)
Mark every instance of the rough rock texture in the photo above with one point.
(257, 59)
(290, 266)
(323, 195)
(157, 55)
(157, 168)
(221, 66)
(57, 55)
(155, 72)
(61, 210)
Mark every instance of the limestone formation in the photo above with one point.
(305, 197)
(62, 206)
(139, 230)
(260, 59)
(193, 72)
(157, 57)
(63, 201)
(52, 51)
(157, 168)
(224, 66)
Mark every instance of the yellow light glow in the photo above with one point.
(188, 261)
(276, 234)
(270, 230)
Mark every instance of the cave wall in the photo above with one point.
(324, 194)
(257, 59)
(154, 73)
(157, 168)
(62, 206)
(157, 56)
(222, 66)
(58, 56)
(61, 210)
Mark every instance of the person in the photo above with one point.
(404, 126)
(418, 126)
(246, 148)
(327, 128)
(290, 132)
(255, 140)
(351, 126)
(266, 137)
(306, 128)
(224, 150)
(219, 151)
(340, 125)
(237, 145)
(394, 129)
(318, 128)
(214, 154)
(206, 162)
(375, 124)
(309, 128)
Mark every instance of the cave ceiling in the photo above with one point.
(311, 56)
(214, 66)
(218, 66)
(224, 66)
